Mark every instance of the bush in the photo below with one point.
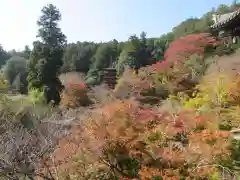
(196, 65)
(3, 82)
(25, 110)
(74, 95)
(133, 85)
(36, 96)
(24, 137)
(174, 77)
(93, 77)
(223, 49)
(213, 93)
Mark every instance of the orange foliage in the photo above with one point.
(164, 144)
(74, 95)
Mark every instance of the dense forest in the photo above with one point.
(90, 58)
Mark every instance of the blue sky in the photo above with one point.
(98, 20)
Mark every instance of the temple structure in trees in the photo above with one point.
(109, 76)
(226, 26)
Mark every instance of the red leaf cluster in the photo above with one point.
(183, 47)
(75, 94)
(161, 66)
(78, 84)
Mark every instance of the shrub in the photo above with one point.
(222, 49)
(93, 77)
(140, 86)
(36, 96)
(213, 92)
(3, 82)
(133, 85)
(196, 66)
(74, 95)
(175, 78)
(24, 137)
(24, 110)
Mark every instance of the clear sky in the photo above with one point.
(97, 20)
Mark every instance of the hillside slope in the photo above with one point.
(227, 64)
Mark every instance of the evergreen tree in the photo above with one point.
(26, 52)
(46, 57)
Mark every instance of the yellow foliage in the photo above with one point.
(212, 93)
(36, 96)
(134, 73)
(3, 82)
(119, 82)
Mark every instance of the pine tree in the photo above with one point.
(46, 57)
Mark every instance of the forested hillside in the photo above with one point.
(174, 113)
(90, 57)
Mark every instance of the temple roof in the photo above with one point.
(225, 18)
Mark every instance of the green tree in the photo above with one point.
(78, 56)
(137, 51)
(223, 8)
(143, 55)
(133, 51)
(161, 45)
(46, 57)
(26, 52)
(123, 61)
(103, 56)
(14, 66)
(4, 56)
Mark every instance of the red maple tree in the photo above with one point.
(183, 47)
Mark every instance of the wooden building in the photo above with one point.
(226, 26)
(109, 77)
